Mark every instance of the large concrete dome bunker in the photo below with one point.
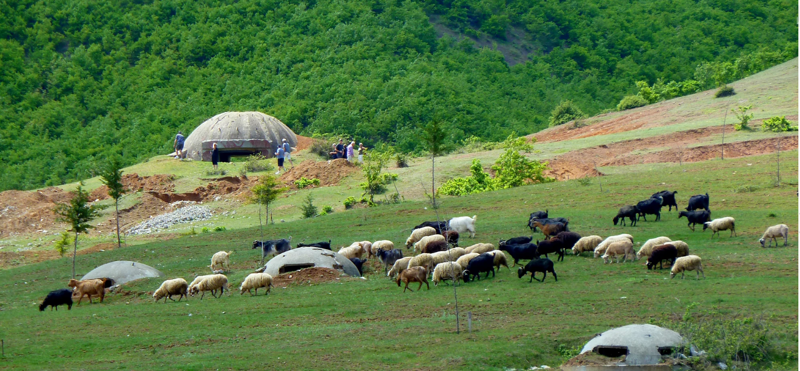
(238, 134)
(641, 344)
(123, 271)
(308, 257)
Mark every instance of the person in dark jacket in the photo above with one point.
(215, 156)
(340, 149)
(287, 152)
(178, 144)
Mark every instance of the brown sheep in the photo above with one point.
(435, 246)
(550, 229)
(414, 274)
(95, 286)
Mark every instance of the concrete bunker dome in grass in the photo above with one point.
(238, 134)
(123, 271)
(308, 257)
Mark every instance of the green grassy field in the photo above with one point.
(370, 324)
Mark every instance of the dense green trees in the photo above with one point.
(81, 80)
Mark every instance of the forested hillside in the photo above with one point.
(81, 80)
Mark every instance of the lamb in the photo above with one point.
(550, 229)
(436, 225)
(211, 283)
(499, 259)
(463, 224)
(483, 263)
(451, 237)
(220, 261)
(687, 263)
(424, 241)
(587, 243)
(421, 260)
(359, 263)
(389, 257)
(649, 245)
(399, 266)
(321, 245)
(630, 212)
(56, 298)
(417, 235)
(255, 281)
(414, 274)
(682, 247)
(698, 202)
(668, 197)
(543, 265)
(381, 245)
(446, 271)
(435, 246)
(273, 247)
(480, 248)
(95, 286)
(721, 224)
(650, 206)
(352, 251)
(772, 233)
(601, 248)
(177, 286)
(463, 261)
(617, 248)
(661, 253)
(551, 246)
(695, 217)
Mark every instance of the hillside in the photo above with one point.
(86, 81)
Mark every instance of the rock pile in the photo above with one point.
(183, 215)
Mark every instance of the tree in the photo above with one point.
(111, 176)
(266, 191)
(513, 170)
(374, 181)
(77, 213)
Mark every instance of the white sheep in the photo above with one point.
(457, 252)
(480, 248)
(424, 241)
(682, 247)
(588, 243)
(220, 261)
(687, 263)
(399, 266)
(464, 224)
(649, 245)
(772, 233)
(197, 280)
(421, 260)
(417, 235)
(441, 257)
(365, 245)
(381, 245)
(500, 259)
(601, 248)
(177, 286)
(352, 251)
(464, 259)
(255, 281)
(446, 271)
(210, 283)
(721, 224)
(620, 247)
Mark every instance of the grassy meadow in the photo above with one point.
(370, 324)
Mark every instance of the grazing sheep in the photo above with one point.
(457, 252)
(399, 266)
(617, 248)
(521, 252)
(211, 283)
(381, 245)
(439, 227)
(435, 246)
(464, 224)
(463, 260)
(499, 259)
(695, 217)
(359, 263)
(352, 251)
(421, 260)
(601, 248)
(668, 197)
(772, 233)
(721, 224)
(682, 247)
(480, 248)
(661, 253)
(446, 271)
(550, 229)
(650, 206)
(414, 274)
(483, 263)
(255, 281)
(196, 280)
(568, 239)
(321, 245)
(270, 247)
(687, 263)
(543, 265)
(417, 235)
(94, 286)
(649, 245)
(424, 241)
(698, 202)
(177, 286)
(366, 247)
(56, 298)
(220, 261)
(440, 257)
(630, 212)
(451, 237)
(587, 243)
(389, 257)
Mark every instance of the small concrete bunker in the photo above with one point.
(238, 134)
(123, 271)
(642, 345)
(307, 257)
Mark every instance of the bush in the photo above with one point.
(215, 172)
(631, 101)
(308, 209)
(220, 229)
(724, 91)
(401, 159)
(63, 243)
(565, 112)
(204, 230)
(777, 124)
(305, 182)
(585, 181)
(327, 209)
(349, 202)
(479, 181)
(743, 117)
(256, 163)
(321, 147)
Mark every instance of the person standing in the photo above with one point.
(361, 150)
(350, 151)
(340, 149)
(215, 157)
(178, 144)
(280, 154)
(287, 152)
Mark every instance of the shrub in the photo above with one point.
(746, 189)
(585, 181)
(401, 159)
(514, 170)
(631, 101)
(349, 202)
(220, 229)
(565, 112)
(256, 163)
(777, 124)
(479, 181)
(327, 209)
(63, 243)
(724, 91)
(204, 230)
(308, 209)
(305, 182)
(519, 144)
(743, 117)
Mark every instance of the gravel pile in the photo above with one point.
(183, 215)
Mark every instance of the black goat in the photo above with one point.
(56, 298)
(630, 212)
(438, 226)
(273, 246)
(650, 206)
(568, 239)
(358, 263)
(525, 251)
(481, 263)
(389, 257)
(539, 265)
(551, 246)
(669, 198)
(515, 241)
(695, 217)
(698, 202)
(548, 221)
(321, 245)
(661, 253)
(539, 214)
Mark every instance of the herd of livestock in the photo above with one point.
(436, 254)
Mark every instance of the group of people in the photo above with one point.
(348, 152)
(283, 153)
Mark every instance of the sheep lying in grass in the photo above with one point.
(421, 260)
(588, 243)
(220, 261)
(424, 241)
(772, 233)
(255, 281)
(352, 251)
(414, 274)
(687, 263)
(500, 259)
(381, 245)
(682, 247)
(621, 247)
(446, 271)
(177, 286)
(721, 224)
(211, 283)
(480, 248)
(399, 266)
(649, 245)
(601, 248)
(463, 260)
